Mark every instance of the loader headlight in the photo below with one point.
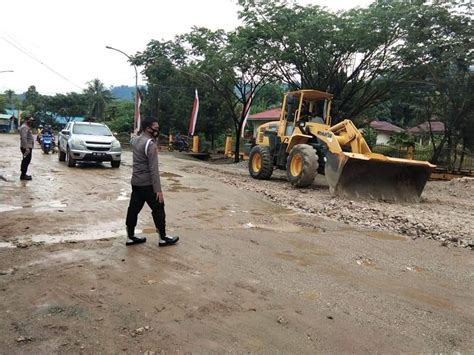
(301, 124)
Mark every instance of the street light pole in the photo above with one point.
(136, 125)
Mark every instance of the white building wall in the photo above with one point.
(382, 138)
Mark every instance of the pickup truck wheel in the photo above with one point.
(115, 164)
(61, 155)
(70, 161)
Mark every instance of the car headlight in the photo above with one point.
(78, 143)
(115, 144)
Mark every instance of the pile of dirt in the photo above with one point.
(445, 213)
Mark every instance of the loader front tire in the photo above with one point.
(260, 163)
(302, 165)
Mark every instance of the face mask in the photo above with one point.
(155, 132)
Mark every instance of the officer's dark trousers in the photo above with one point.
(26, 161)
(140, 195)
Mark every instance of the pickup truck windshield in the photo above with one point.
(91, 130)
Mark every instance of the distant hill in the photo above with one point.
(123, 92)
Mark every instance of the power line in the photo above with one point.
(36, 59)
(22, 47)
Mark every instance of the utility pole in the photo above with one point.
(136, 123)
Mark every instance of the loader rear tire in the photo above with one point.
(302, 165)
(260, 163)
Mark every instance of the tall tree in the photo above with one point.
(67, 105)
(3, 103)
(440, 73)
(33, 101)
(98, 98)
(12, 100)
(348, 54)
(161, 62)
(233, 64)
(170, 92)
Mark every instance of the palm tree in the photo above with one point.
(10, 95)
(98, 98)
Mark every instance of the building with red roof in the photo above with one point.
(385, 130)
(422, 131)
(257, 119)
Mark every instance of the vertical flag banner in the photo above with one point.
(194, 114)
(138, 102)
(247, 112)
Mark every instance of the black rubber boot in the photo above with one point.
(167, 240)
(132, 238)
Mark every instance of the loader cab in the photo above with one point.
(304, 105)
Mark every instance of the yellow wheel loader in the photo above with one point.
(304, 144)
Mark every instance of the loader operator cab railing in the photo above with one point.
(308, 107)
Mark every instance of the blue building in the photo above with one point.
(9, 121)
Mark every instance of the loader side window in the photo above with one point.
(291, 111)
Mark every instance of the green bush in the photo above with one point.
(370, 136)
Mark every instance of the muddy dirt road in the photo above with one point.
(249, 274)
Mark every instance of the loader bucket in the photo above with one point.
(376, 176)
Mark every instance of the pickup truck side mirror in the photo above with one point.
(65, 132)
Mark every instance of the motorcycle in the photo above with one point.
(47, 142)
(179, 145)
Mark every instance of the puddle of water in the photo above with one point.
(123, 195)
(176, 187)
(8, 208)
(91, 235)
(285, 228)
(6, 245)
(168, 174)
(384, 236)
(49, 206)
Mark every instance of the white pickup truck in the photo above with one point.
(87, 141)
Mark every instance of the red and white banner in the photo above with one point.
(194, 114)
(247, 112)
(138, 102)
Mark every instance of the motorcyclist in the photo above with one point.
(40, 133)
(46, 130)
(180, 142)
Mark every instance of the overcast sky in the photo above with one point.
(69, 37)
